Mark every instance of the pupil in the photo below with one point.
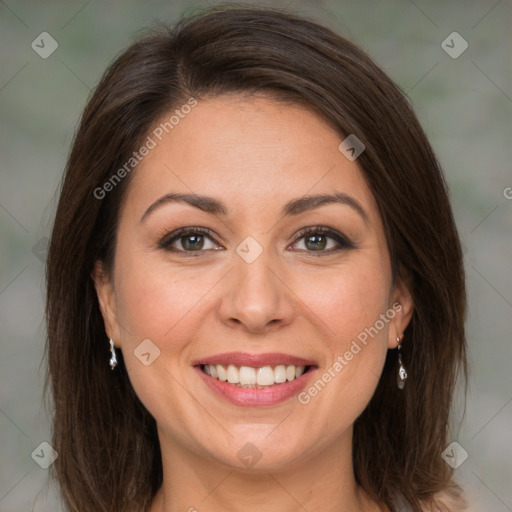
(192, 242)
(318, 242)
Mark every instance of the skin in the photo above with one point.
(253, 154)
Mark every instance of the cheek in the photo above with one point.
(154, 298)
(348, 299)
(157, 303)
(352, 303)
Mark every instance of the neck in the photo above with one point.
(323, 481)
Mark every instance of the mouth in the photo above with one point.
(255, 380)
(248, 377)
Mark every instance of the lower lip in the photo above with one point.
(247, 397)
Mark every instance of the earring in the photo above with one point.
(402, 372)
(113, 358)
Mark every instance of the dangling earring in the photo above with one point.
(402, 372)
(113, 358)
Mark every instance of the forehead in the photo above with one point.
(250, 152)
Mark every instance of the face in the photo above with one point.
(249, 278)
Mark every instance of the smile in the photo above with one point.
(254, 378)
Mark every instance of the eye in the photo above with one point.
(322, 240)
(193, 239)
(319, 239)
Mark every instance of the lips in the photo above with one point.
(255, 379)
(254, 360)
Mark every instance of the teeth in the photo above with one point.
(233, 374)
(280, 373)
(222, 374)
(265, 376)
(248, 377)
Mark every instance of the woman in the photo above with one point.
(256, 297)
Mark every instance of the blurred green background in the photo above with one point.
(464, 104)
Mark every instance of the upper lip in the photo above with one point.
(254, 360)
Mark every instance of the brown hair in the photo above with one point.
(109, 455)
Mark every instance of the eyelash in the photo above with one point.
(343, 241)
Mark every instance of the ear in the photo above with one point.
(402, 303)
(106, 298)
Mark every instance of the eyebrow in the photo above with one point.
(293, 207)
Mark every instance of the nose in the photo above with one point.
(256, 297)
